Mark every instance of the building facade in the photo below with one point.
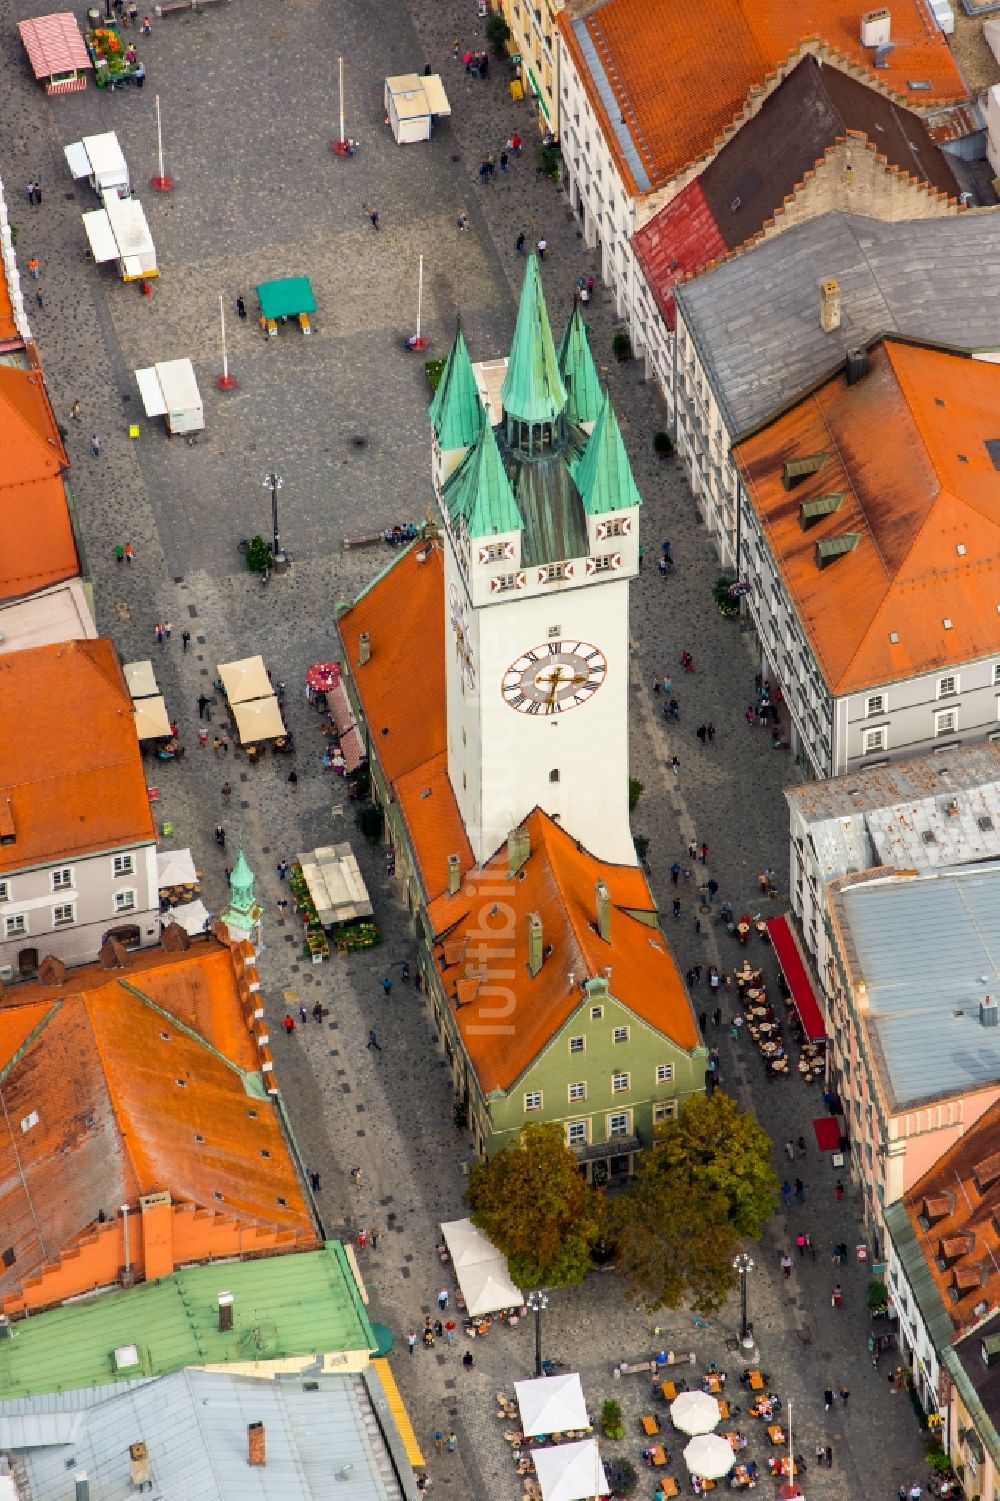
(534, 42)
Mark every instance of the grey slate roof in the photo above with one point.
(194, 1424)
(885, 816)
(928, 948)
(755, 319)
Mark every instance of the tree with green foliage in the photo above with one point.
(705, 1184)
(537, 1208)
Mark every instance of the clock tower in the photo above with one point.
(540, 513)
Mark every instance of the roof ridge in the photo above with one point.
(125, 1137)
(181, 1026)
(30, 1039)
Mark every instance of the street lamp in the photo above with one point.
(273, 482)
(743, 1265)
(538, 1302)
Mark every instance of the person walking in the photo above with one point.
(717, 1017)
(293, 780)
(411, 1341)
(241, 307)
(790, 1149)
(844, 1395)
(837, 1296)
(289, 1025)
(303, 1013)
(317, 1011)
(386, 987)
(675, 872)
(185, 640)
(95, 446)
(828, 1397)
(838, 1190)
(542, 247)
(519, 243)
(282, 870)
(453, 1436)
(373, 216)
(800, 1241)
(374, 1233)
(439, 1441)
(314, 1183)
(443, 1299)
(373, 1041)
(203, 703)
(800, 1191)
(75, 412)
(820, 1454)
(220, 836)
(786, 1264)
(786, 1194)
(129, 553)
(829, 1456)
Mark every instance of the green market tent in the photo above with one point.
(286, 298)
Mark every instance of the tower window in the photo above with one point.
(554, 774)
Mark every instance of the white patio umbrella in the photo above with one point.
(551, 1404)
(710, 1456)
(571, 1472)
(694, 1412)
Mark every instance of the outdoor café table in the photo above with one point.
(650, 1424)
(668, 1486)
(712, 1384)
(658, 1455)
(669, 1390)
(741, 1478)
(723, 1408)
(776, 1434)
(781, 1466)
(736, 1441)
(755, 1380)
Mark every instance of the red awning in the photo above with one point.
(827, 1129)
(794, 970)
(54, 45)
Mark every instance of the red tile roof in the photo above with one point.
(71, 777)
(681, 71)
(681, 239)
(435, 826)
(39, 547)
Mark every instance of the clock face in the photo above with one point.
(552, 678)
(463, 641)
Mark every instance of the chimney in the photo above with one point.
(364, 648)
(603, 911)
(138, 1465)
(535, 954)
(876, 26)
(857, 365)
(256, 1454)
(225, 1312)
(988, 1012)
(518, 849)
(82, 1486)
(454, 874)
(829, 304)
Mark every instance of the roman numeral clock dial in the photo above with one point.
(555, 677)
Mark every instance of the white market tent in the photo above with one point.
(175, 868)
(571, 1472)
(100, 159)
(192, 917)
(169, 389)
(467, 1245)
(259, 719)
(335, 884)
(245, 679)
(140, 679)
(487, 1288)
(152, 722)
(411, 102)
(551, 1404)
(119, 232)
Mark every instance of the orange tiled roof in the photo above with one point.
(954, 1212)
(558, 882)
(401, 686)
(906, 447)
(39, 547)
(70, 772)
(99, 1059)
(435, 826)
(681, 71)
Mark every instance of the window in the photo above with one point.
(596, 1012)
(123, 865)
(533, 1099)
(664, 1073)
(621, 1034)
(500, 582)
(4, 891)
(616, 528)
(619, 1124)
(996, 675)
(874, 740)
(124, 901)
(946, 722)
(577, 1044)
(604, 563)
(553, 571)
(576, 1133)
(61, 879)
(554, 774)
(619, 1083)
(15, 927)
(64, 917)
(578, 1091)
(664, 1110)
(874, 705)
(947, 686)
(494, 551)
(29, 1121)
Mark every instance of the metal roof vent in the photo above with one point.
(811, 511)
(988, 1012)
(929, 836)
(832, 548)
(946, 622)
(857, 365)
(795, 471)
(894, 637)
(985, 822)
(126, 1357)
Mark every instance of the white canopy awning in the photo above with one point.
(487, 1288)
(152, 721)
(245, 679)
(100, 157)
(103, 245)
(437, 99)
(335, 884)
(467, 1245)
(570, 1472)
(551, 1404)
(192, 917)
(175, 868)
(153, 402)
(140, 679)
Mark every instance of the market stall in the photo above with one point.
(412, 103)
(551, 1404)
(352, 745)
(100, 160)
(169, 389)
(152, 722)
(119, 232)
(140, 679)
(116, 61)
(285, 300)
(570, 1472)
(467, 1246)
(244, 679)
(332, 900)
(258, 719)
(480, 1269)
(57, 52)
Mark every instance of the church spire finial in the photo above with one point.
(533, 389)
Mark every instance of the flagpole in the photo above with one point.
(162, 182)
(225, 381)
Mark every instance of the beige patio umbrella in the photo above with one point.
(694, 1412)
(259, 719)
(245, 679)
(710, 1456)
(151, 718)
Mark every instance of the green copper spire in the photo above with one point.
(579, 373)
(604, 474)
(533, 390)
(456, 412)
(244, 912)
(480, 491)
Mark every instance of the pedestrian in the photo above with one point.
(675, 766)
(168, 629)
(120, 553)
(216, 743)
(375, 1232)
(810, 1248)
(789, 1149)
(411, 1340)
(702, 1021)
(717, 1017)
(282, 870)
(677, 906)
(737, 1028)
(314, 1181)
(713, 889)
(241, 307)
(802, 1146)
(453, 1436)
(129, 553)
(701, 731)
(786, 1264)
(463, 221)
(903, 1492)
(146, 26)
(675, 872)
(293, 780)
(829, 1457)
(503, 161)
(289, 1025)
(39, 298)
(915, 1492)
(318, 1011)
(838, 1190)
(800, 1191)
(542, 247)
(443, 1299)
(387, 987)
(185, 640)
(786, 1194)
(95, 446)
(762, 883)
(693, 849)
(203, 703)
(820, 1454)
(373, 1041)
(844, 1395)
(303, 1013)
(220, 836)
(31, 192)
(468, 1360)
(800, 1241)
(362, 1239)
(373, 216)
(439, 1441)
(837, 1296)
(35, 267)
(828, 1397)
(519, 243)
(133, 14)
(357, 1177)
(282, 906)
(710, 727)
(76, 415)
(703, 854)
(449, 1331)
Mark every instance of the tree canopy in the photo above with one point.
(706, 1182)
(537, 1208)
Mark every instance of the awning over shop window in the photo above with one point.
(794, 971)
